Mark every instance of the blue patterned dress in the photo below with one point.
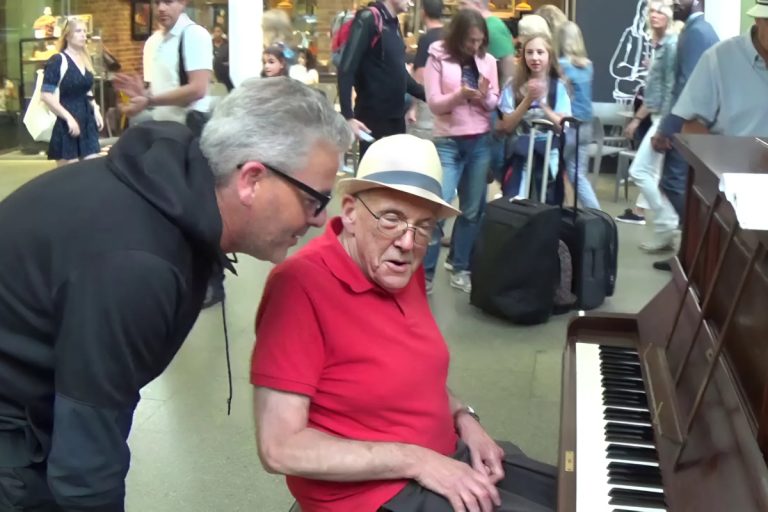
(75, 96)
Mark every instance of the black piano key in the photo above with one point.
(624, 350)
(628, 467)
(611, 383)
(614, 414)
(645, 432)
(619, 366)
(618, 375)
(637, 481)
(628, 439)
(632, 498)
(615, 451)
(646, 479)
(626, 401)
(627, 358)
(625, 371)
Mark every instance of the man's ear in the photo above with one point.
(249, 180)
(348, 211)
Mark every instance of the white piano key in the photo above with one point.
(592, 487)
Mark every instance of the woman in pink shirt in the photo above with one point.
(462, 88)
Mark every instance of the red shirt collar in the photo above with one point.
(339, 262)
(344, 268)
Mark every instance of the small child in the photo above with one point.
(274, 62)
(304, 70)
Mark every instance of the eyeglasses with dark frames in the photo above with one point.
(394, 226)
(318, 200)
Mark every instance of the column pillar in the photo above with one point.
(724, 16)
(246, 39)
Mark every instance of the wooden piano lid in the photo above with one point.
(721, 154)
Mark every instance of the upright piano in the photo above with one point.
(668, 409)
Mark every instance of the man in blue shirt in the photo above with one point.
(697, 37)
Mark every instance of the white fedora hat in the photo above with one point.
(760, 10)
(405, 163)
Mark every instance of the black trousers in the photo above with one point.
(528, 486)
(26, 490)
(380, 128)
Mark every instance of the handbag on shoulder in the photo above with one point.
(38, 118)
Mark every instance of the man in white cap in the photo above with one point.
(350, 368)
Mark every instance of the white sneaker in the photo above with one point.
(448, 266)
(430, 286)
(462, 281)
(661, 242)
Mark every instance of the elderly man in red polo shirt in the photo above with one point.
(350, 368)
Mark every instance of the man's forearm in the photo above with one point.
(180, 97)
(316, 455)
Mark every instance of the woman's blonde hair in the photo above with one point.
(63, 42)
(555, 18)
(572, 44)
(532, 25)
(665, 8)
(523, 73)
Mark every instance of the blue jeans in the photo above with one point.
(585, 193)
(674, 177)
(465, 162)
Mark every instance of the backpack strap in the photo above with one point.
(183, 77)
(552, 94)
(378, 23)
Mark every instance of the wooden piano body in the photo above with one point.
(713, 460)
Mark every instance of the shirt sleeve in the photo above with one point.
(52, 74)
(500, 44)
(420, 60)
(289, 353)
(198, 49)
(116, 315)
(700, 99)
(438, 101)
(507, 100)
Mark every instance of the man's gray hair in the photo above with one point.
(275, 121)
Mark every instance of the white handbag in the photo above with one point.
(38, 118)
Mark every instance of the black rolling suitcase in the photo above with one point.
(515, 267)
(592, 239)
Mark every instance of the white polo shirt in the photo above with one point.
(728, 90)
(164, 68)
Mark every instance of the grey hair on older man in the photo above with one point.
(276, 121)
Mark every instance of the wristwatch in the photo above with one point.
(469, 410)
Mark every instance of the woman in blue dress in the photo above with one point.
(76, 132)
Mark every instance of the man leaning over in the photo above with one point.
(104, 266)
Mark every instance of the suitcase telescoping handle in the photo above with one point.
(543, 126)
(576, 124)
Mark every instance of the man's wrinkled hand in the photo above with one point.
(467, 490)
(485, 454)
(661, 143)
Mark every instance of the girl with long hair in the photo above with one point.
(537, 91)
(75, 135)
(462, 89)
(579, 71)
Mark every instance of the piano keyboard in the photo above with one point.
(617, 468)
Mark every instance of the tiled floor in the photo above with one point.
(189, 456)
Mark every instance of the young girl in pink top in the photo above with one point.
(462, 88)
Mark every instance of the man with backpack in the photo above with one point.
(182, 68)
(373, 62)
